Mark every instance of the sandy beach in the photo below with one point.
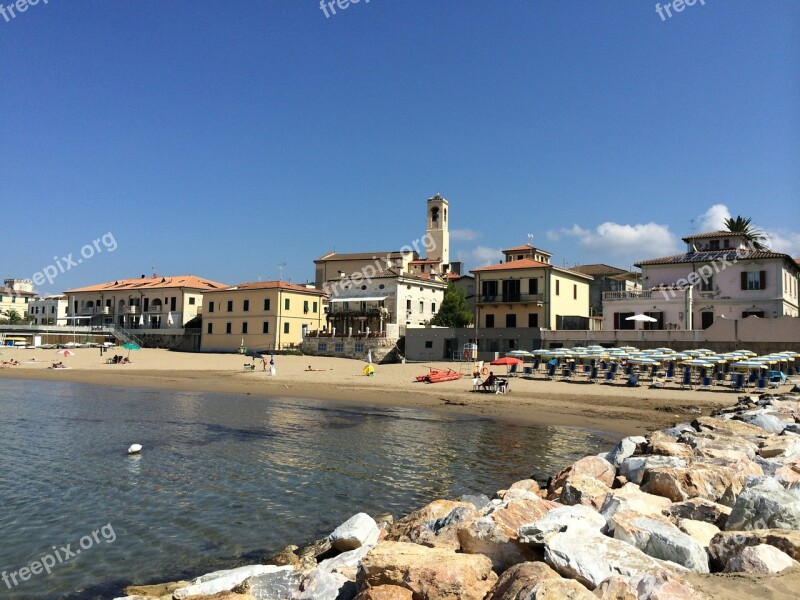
(611, 408)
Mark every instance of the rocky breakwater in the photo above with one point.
(718, 495)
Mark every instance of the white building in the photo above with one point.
(718, 276)
(49, 310)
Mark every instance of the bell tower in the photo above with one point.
(437, 232)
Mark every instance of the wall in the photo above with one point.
(447, 343)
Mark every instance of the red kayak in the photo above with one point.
(438, 375)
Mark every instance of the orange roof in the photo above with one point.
(425, 261)
(272, 285)
(150, 283)
(523, 263)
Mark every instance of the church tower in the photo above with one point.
(437, 229)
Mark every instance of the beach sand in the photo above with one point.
(615, 408)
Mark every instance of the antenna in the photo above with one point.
(530, 239)
(692, 221)
(280, 270)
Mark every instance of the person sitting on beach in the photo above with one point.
(58, 365)
(489, 383)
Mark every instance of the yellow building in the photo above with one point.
(263, 315)
(527, 291)
(16, 295)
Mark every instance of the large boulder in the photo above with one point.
(700, 509)
(630, 497)
(659, 538)
(785, 446)
(589, 466)
(323, 585)
(357, 531)
(626, 447)
(711, 482)
(729, 544)
(431, 525)
(701, 531)
(767, 422)
(760, 559)
(588, 491)
(560, 589)
(738, 428)
(497, 533)
(788, 473)
(591, 558)
(518, 581)
(272, 586)
(765, 504)
(431, 573)
(560, 519)
(385, 592)
(223, 581)
(616, 588)
(634, 468)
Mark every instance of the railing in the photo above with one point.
(130, 310)
(628, 295)
(506, 298)
(123, 334)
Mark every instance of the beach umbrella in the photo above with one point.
(170, 322)
(254, 354)
(141, 320)
(642, 319)
(628, 348)
(369, 356)
(65, 353)
(507, 361)
(131, 346)
(519, 354)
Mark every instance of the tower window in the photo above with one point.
(435, 214)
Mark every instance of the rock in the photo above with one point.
(287, 556)
(698, 481)
(518, 581)
(760, 559)
(561, 519)
(616, 588)
(734, 427)
(357, 531)
(765, 504)
(517, 494)
(385, 592)
(410, 528)
(588, 491)
(158, 590)
(631, 498)
(789, 473)
(309, 553)
(700, 509)
(767, 422)
(560, 589)
(529, 485)
(479, 501)
(626, 447)
(781, 446)
(665, 445)
(322, 585)
(722, 441)
(272, 586)
(496, 533)
(430, 573)
(591, 558)
(222, 581)
(658, 537)
(729, 544)
(663, 585)
(701, 531)
(634, 468)
(384, 519)
(590, 466)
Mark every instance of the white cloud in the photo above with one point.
(787, 242)
(553, 236)
(480, 256)
(714, 218)
(629, 241)
(466, 235)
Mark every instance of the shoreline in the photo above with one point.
(614, 409)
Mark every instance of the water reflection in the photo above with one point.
(227, 476)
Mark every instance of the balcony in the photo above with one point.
(629, 295)
(129, 310)
(510, 298)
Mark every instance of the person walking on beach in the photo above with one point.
(264, 363)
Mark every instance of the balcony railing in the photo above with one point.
(129, 310)
(508, 298)
(629, 295)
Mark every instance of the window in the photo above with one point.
(322, 346)
(433, 308)
(754, 280)
(620, 321)
(338, 347)
(429, 344)
(230, 305)
(246, 305)
(285, 328)
(210, 307)
(228, 327)
(305, 307)
(511, 290)
(244, 327)
(421, 306)
(408, 305)
(191, 300)
(574, 291)
(707, 284)
(173, 303)
(359, 347)
(533, 320)
(533, 287)
(753, 313)
(314, 307)
(727, 243)
(714, 245)
(286, 304)
(489, 321)
(265, 327)
(489, 290)
(511, 320)
(266, 303)
(558, 287)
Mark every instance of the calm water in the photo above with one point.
(224, 480)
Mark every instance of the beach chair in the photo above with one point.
(566, 374)
(657, 383)
(512, 372)
(775, 382)
(593, 375)
(609, 377)
(686, 382)
(762, 383)
(633, 380)
(706, 383)
(739, 382)
(670, 372)
(551, 371)
(501, 386)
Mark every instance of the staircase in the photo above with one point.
(123, 335)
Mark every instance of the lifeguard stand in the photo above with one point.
(470, 353)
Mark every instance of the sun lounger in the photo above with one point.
(633, 380)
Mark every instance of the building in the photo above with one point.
(16, 295)
(607, 279)
(527, 291)
(264, 315)
(153, 303)
(719, 276)
(466, 283)
(49, 310)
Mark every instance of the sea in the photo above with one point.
(224, 480)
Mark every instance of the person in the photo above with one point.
(263, 363)
(487, 385)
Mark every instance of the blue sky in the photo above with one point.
(225, 139)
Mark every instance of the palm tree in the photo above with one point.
(12, 316)
(754, 237)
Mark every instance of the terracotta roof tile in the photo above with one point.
(271, 285)
(146, 283)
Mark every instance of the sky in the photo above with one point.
(241, 141)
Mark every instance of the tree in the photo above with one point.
(454, 311)
(12, 316)
(754, 237)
